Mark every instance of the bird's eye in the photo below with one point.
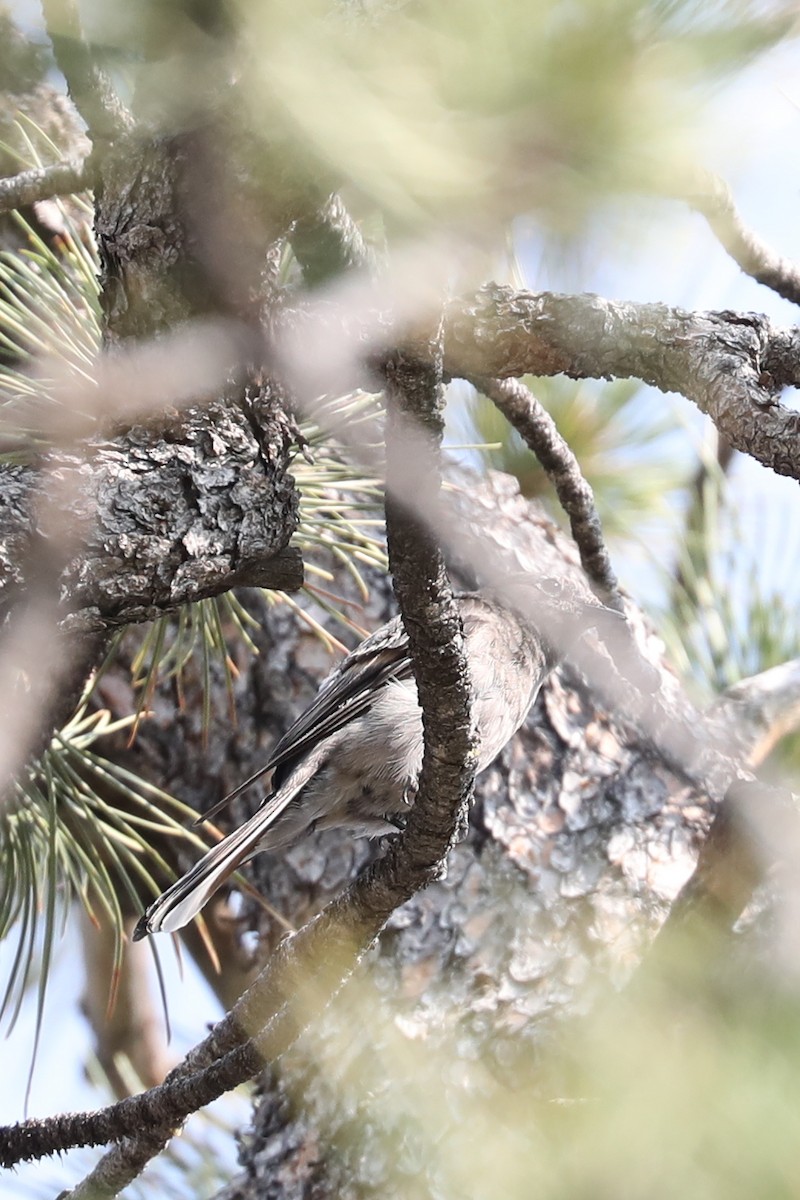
(550, 587)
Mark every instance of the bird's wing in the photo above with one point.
(347, 693)
(351, 689)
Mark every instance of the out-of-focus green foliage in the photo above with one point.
(463, 111)
(684, 1083)
(49, 307)
(725, 625)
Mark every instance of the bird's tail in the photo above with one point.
(176, 907)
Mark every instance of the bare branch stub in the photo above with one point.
(761, 710)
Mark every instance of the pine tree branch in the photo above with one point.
(538, 430)
(165, 516)
(120, 1166)
(43, 183)
(89, 87)
(730, 365)
(712, 197)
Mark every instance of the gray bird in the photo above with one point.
(353, 758)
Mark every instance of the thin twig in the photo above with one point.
(712, 198)
(43, 183)
(538, 429)
(120, 1166)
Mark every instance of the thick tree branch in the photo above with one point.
(730, 365)
(43, 183)
(538, 429)
(170, 515)
(712, 198)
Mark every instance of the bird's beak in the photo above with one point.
(607, 621)
(617, 636)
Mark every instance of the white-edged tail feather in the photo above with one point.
(177, 906)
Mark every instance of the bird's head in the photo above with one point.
(560, 610)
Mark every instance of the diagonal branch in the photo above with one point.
(43, 183)
(538, 429)
(89, 86)
(713, 199)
